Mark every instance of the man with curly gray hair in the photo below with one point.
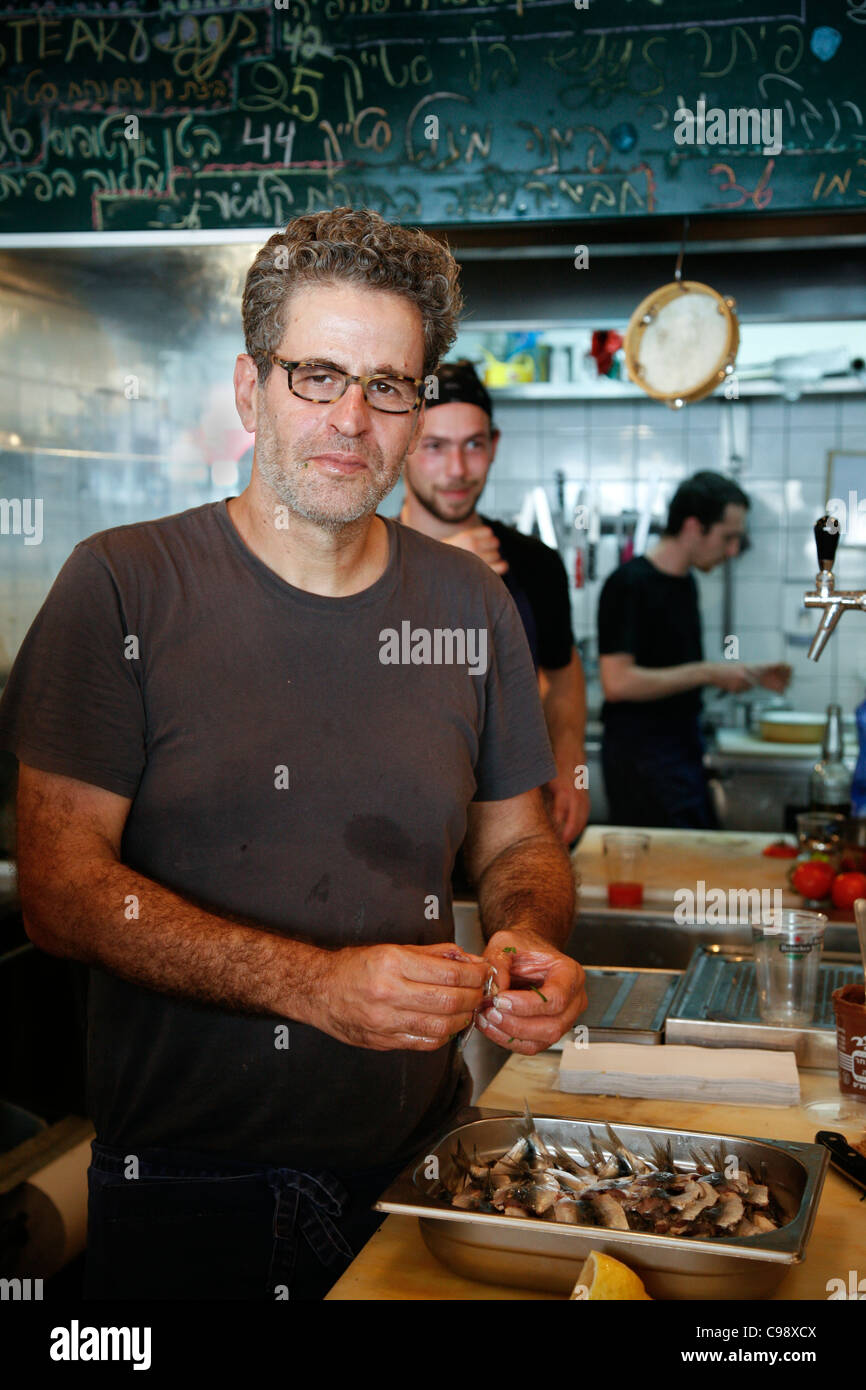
(251, 739)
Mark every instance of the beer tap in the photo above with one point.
(826, 596)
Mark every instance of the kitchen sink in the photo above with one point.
(649, 940)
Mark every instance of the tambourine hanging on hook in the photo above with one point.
(681, 342)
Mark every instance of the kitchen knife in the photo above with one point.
(843, 1157)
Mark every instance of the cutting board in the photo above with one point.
(680, 858)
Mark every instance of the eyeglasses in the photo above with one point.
(324, 384)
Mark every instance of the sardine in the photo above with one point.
(705, 1197)
(610, 1211)
(732, 1210)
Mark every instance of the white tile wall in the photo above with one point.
(518, 455)
(817, 413)
(568, 452)
(657, 415)
(800, 559)
(613, 452)
(553, 416)
(768, 415)
(853, 422)
(767, 453)
(807, 452)
(518, 415)
(759, 644)
(705, 450)
(804, 503)
(757, 604)
(701, 416)
(765, 557)
(767, 497)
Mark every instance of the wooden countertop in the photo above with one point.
(678, 859)
(396, 1264)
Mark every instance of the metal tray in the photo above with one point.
(542, 1255)
(627, 1005)
(716, 1005)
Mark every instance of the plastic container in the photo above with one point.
(849, 1006)
(787, 948)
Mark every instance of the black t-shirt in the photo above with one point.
(301, 761)
(538, 583)
(655, 618)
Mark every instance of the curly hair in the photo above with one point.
(357, 246)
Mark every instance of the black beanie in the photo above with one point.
(459, 381)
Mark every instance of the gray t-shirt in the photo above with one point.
(290, 763)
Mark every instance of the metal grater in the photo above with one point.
(717, 1006)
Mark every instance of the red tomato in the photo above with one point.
(813, 879)
(847, 888)
(780, 850)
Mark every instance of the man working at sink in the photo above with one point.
(251, 738)
(652, 667)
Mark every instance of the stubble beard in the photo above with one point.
(287, 471)
(450, 518)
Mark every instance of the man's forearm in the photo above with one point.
(650, 683)
(565, 715)
(130, 925)
(569, 753)
(529, 886)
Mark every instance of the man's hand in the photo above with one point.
(733, 676)
(399, 997)
(482, 541)
(737, 676)
(773, 676)
(568, 807)
(541, 993)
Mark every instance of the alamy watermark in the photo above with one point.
(844, 518)
(441, 646)
(22, 516)
(716, 907)
(21, 1290)
(738, 125)
(77, 1343)
(854, 1289)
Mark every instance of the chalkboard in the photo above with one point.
(192, 115)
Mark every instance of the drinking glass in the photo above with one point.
(624, 862)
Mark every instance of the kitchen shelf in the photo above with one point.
(627, 391)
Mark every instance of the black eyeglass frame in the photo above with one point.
(362, 381)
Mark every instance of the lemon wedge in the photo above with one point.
(603, 1277)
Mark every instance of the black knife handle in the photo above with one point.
(842, 1156)
(826, 540)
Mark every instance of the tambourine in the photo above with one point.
(681, 342)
